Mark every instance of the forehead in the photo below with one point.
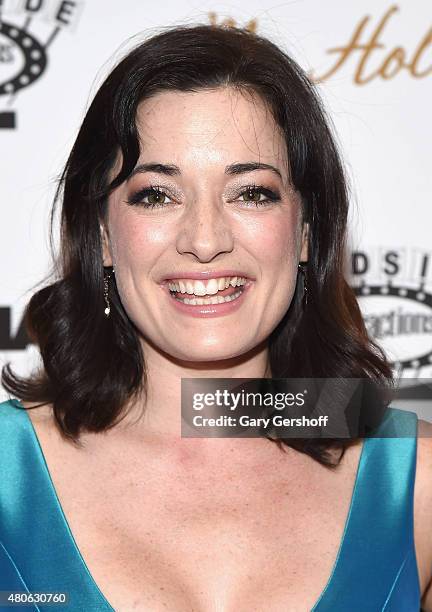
(219, 125)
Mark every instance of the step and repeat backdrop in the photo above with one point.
(372, 62)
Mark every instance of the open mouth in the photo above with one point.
(214, 291)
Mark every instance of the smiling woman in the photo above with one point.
(204, 211)
(189, 213)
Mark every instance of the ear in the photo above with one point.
(305, 243)
(106, 245)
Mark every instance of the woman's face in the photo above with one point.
(210, 198)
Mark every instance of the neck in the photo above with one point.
(158, 413)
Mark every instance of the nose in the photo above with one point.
(205, 230)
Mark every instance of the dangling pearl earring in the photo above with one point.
(106, 289)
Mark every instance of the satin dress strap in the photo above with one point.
(37, 550)
(376, 568)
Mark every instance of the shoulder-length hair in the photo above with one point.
(93, 365)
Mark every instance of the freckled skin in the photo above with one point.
(206, 223)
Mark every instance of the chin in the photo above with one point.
(211, 352)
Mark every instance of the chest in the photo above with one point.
(205, 541)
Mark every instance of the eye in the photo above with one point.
(150, 197)
(259, 196)
(155, 197)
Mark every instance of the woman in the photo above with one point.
(204, 155)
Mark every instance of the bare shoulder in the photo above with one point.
(46, 428)
(40, 414)
(423, 481)
(423, 511)
(424, 428)
(424, 459)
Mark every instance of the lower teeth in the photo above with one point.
(213, 300)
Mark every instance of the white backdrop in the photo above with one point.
(374, 63)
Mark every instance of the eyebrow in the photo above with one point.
(232, 169)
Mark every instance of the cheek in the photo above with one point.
(137, 242)
(275, 239)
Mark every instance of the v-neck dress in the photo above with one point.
(375, 568)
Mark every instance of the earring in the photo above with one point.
(106, 289)
(305, 289)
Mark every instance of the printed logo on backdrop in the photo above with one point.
(394, 288)
(367, 50)
(375, 57)
(27, 31)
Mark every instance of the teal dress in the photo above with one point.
(375, 569)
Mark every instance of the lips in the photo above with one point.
(206, 305)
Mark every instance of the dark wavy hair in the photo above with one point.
(93, 365)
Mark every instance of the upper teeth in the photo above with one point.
(210, 287)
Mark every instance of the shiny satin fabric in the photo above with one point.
(39, 551)
(375, 569)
